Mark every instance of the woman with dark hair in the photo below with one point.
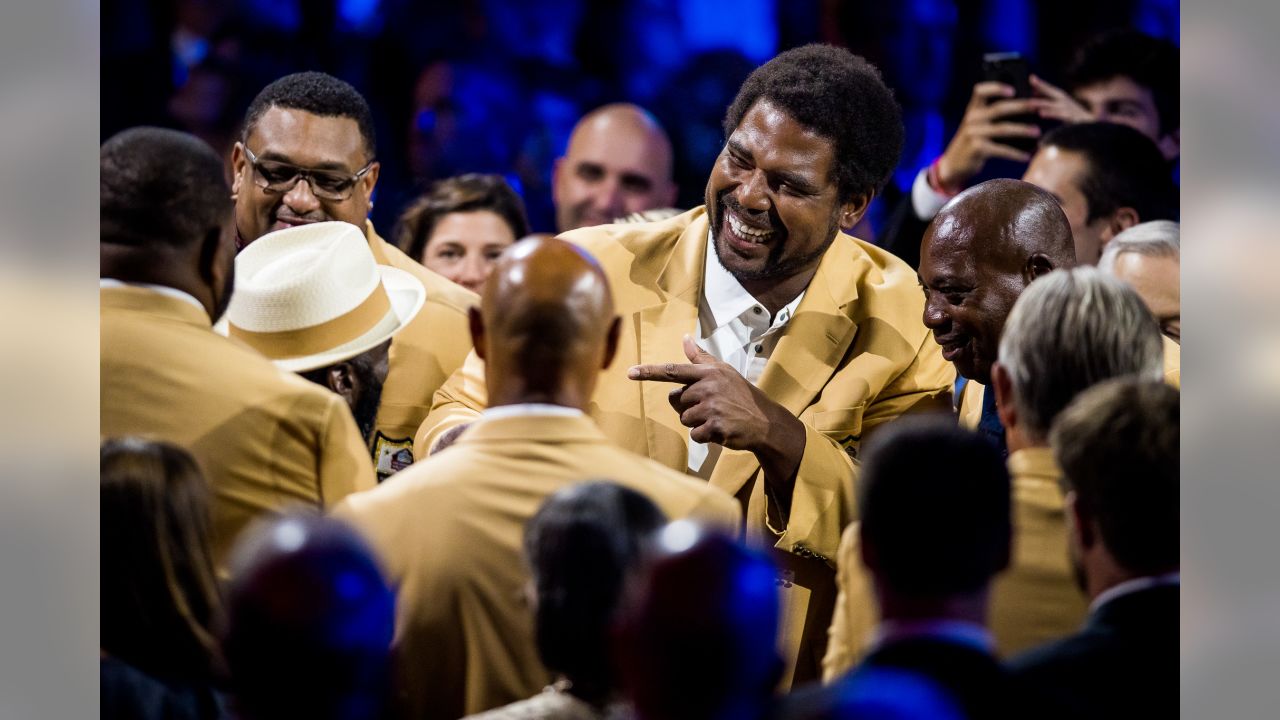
(159, 594)
(462, 225)
(580, 545)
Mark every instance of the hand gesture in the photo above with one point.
(1055, 103)
(977, 139)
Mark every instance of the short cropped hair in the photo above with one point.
(1125, 169)
(1124, 52)
(319, 94)
(161, 188)
(935, 508)
(1069, 331)
(581, 546)
(1158, 238)
(841, 97)
(1117, 445)
(464, 193)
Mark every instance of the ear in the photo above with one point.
(1080, 528)
(1170, 144)
(1002, 383)
(368, 182)
(341, 379)
(611, 342)
(556, 169)
(238, 164)
(476, 323)
(853, 210)
(1121, 220)
(1038, 265)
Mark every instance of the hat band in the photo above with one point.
(315, 339)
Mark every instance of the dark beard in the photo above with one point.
(365, 411)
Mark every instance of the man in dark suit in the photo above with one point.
(1117, 444)
(935, 529)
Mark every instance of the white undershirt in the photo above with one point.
(162, 289)
(735, 328)
(529, 409)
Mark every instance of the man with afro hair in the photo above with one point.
(759, 342)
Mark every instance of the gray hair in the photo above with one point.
(1068, 331)
(1158, 238)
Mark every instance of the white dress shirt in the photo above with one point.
(735, 328)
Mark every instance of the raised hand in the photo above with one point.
(977, 139)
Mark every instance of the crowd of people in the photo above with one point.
(721, 462)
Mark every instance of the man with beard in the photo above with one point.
(308, 154)
(264, 438)
(314, 300)
(760, 343)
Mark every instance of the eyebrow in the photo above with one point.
(799, 182)
(329, 165)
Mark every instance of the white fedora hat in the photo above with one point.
(313, 295)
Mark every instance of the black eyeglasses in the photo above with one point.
(279, 177)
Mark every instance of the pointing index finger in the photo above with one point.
(683, 373)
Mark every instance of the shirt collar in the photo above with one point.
(727, 299)
(162, 289)
(527, 409)
(1129, 587)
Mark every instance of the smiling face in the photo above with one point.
(464, 245)
(772, 201)
(967, 301)
(308, 141)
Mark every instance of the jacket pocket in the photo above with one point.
(843, 426)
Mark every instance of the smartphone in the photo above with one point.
(1012, 69)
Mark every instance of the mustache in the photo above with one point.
(728, 203)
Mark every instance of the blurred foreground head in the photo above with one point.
(581, 546)
(309, 622)
(697, 629)
(159, 594)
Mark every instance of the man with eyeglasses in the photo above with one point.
(308, 154)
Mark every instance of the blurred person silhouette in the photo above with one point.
(309, 623)
(618, 162)
(746, 356)
(695, 636)
(308, 154)
(313, 300)
(1101, 330)
(461, 225)
(1148, 257)
(580, 547)
(1122, 77)
(160, 598)
(1117, 444)
(934, 532)
(449, 528)
(264, 438)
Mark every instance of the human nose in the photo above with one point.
(753, 193)
(608, 198)
(935, 317)
(473, 273)
(300, 198)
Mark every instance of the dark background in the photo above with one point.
(496, 85)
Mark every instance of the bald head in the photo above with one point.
(618, 162)
(546, 325)
(977, 256)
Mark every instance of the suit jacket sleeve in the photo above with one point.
(822, 503)
(345, 464)
(457, 402)
(855, 612)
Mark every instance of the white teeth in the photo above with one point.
(748, 233)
